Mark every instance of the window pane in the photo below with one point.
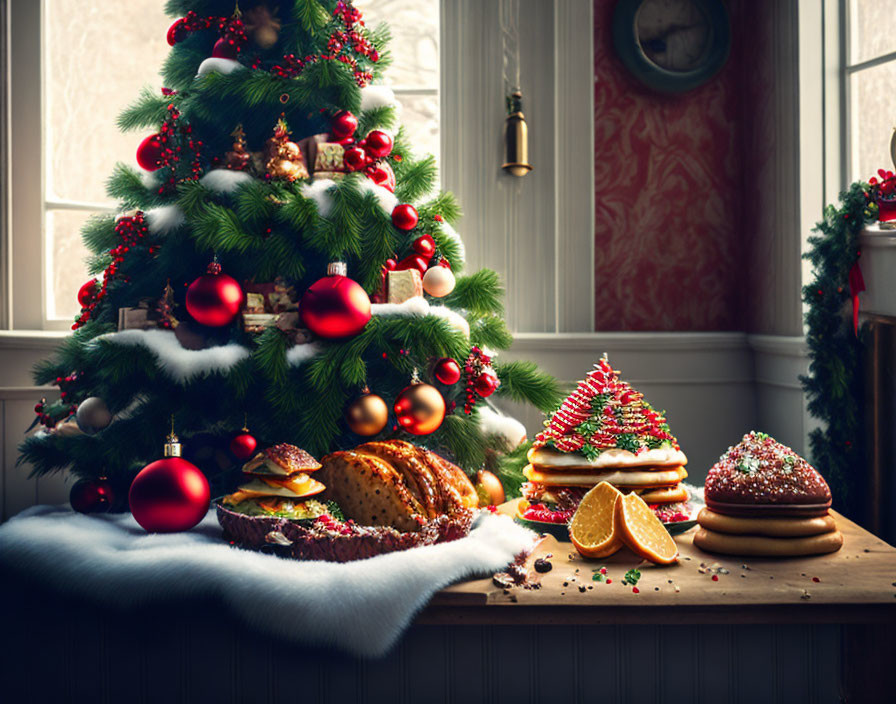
(97, 56)
(66, 255)
(420, 118)
(871, 30)
(872, 114)
(415, 39)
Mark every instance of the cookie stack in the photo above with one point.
(605, 431)
(763, 499)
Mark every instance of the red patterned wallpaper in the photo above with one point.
(668, 196)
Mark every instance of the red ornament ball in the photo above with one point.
(486, 383)
(92, 496)
(412, 261)
(354, 159)
(224, 49)
(177, 32)
(243, 446)
(169, 495)
(214, 299)
(149, 153)
(425, 246)
(405, 217)
(335, 306)
(447, 371)
(343, 125)
(378, 144)
(87, 293)
(420, 409)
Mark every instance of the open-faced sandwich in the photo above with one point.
(604, 431)
(279, 484)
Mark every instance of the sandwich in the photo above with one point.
(279, 484)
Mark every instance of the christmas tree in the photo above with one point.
(281, 270)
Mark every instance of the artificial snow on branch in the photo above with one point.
(509, 429)
(165, 219)
(179, 364)
(225, 181)
(214, 64)
(373, 97)
(299, 354)
(419, 307)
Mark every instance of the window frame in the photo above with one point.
(848, 69)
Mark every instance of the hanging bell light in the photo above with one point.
(516, 137)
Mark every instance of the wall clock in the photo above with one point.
(672, 46)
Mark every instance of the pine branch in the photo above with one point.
(378, 118)
(444, 204)
(490, 331)
(311, 15)
(480, 293)
(524, 381)
(99, 233)
(150, 110)
(417, 179)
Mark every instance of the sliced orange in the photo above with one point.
(642, 531)
(593, 526)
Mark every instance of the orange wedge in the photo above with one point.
(642, 531)
(593, 526)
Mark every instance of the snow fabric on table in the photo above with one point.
(360, 607)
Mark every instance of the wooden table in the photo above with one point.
(856, 584)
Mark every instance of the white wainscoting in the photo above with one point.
(713, 386)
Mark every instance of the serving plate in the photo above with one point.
(560, 531)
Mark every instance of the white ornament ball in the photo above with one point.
(93, 415)
(438, 281)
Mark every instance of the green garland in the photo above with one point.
(834, 383)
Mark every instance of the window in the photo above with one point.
(414, 72)
(870, 74)
(94, 59)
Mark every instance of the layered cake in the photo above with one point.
(763, 499)
(604, 431)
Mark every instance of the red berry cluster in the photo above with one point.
(345, 44)
(59, 411)
(172, 151)
(481, 378)
(131, 231)
(230, 29)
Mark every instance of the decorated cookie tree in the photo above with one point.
(280, 269)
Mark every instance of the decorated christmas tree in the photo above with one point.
(281, 270)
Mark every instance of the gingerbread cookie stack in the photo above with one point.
(604, 431)
(763, 499)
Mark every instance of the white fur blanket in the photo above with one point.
(361, 607)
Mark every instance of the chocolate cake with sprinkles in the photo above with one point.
(763, 499)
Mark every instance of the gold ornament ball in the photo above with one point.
(290, 150)
(266, 37)
(489, 488)
(420, 409)
(438, 281)
(368, 415)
